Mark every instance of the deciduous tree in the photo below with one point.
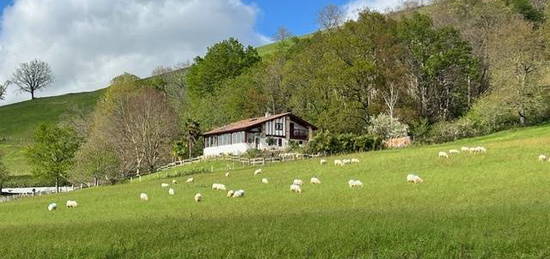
(32, 76)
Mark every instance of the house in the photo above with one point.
(270, 132)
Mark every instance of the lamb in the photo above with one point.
(227, 174)
(190, 180)
(143, 197)
(298, 182)
(257, 172)
(164, 185)
(315, 180)
(218, 187)
(52, 206)
(198, 197)
(454, 151)
(443, 154)
(354, 160)
(478, 150)
(171, 191)
(465, 149)
(543, 158)
(323, 162)
(238, 194)
(265, 181)
(411, 178)
(295, 188)
(355, 183)
(346, 161)
(71, 204)
(230, 193)
(174, 181)
(338, 162)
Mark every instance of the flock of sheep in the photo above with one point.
(473, 150)
(68, 204)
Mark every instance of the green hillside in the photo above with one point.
(492, 205)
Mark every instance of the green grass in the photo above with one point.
(488, 205)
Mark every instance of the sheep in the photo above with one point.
(315, 180)
(227, 174)
(71, 204)
(174, 181)
(478, 150)
(338, 162)
(295, 188)
(171, 191)
(464, 149)
(257, 172)
(298, 182)
(190, 180)
(218, 187)
(198, 197)
(411, 178)
(443, 154)
(143, 196)
(346, 161)
(238, 194)
(323, 162)
(454, 151)
(164, 185)
(230, 193)
(543, 158)
(265, 181)
(472, 150)
(354, 160)
(355, 183)
(52, 206)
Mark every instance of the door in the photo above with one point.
(257, 142)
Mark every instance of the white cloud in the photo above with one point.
(354, 7)
(88, 42)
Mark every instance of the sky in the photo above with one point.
(88, 42)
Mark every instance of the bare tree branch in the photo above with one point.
(32, 76)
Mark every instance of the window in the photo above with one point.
(280, 142)
(278, 126)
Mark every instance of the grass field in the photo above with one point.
(486, 205)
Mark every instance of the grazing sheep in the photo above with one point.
(315, 180)
(52, 206)
(295, 188)
(472, 150)
(198, 197)
(465, 149)
(298, 182)
(542, 158)
(257, 172)
(227, 174)
(218, 187)
(143, 196)
(338, 162)
(71, 204)
(171, 191)
(323, 162)
(354, 160)
(478, 150)
(355, 183)
(164, 185)
(443, 154)
(238, 194)
(190, 180)
(230, 193)
(174, 182)
(265, 181)
(454, 151)
(346, 161)
(412, 178)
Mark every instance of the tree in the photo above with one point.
(3, 89)
(160, 70)
(52, 153)
(32, 76)
(4, 174)
(192, 134)
(96, 160)
(282, 34)
(330, 17)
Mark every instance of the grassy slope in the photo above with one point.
(489, 205)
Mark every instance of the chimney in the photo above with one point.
(267, 114)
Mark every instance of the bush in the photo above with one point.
(387, 127)
(325, 142)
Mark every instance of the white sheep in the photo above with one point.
(143, 196)
(190, 180)
(542, 158)
(464, 149)
(227, 174)
(295, 188)
(257, 172)
(174, 181)
(443, 154)
(454, 151)
(412, 178)
(354, 160)
(198, 197)
(298, 182)
(315, 180)
(265, 181)
(52, 206)
(171, 191)
(323, 162)
(338, 162)
(355, 183)
(479, 150)
(164, 185)
(230, 193)
(218, 187)
(238, 194)
(71, 204)
(346, 161)
(472, 150)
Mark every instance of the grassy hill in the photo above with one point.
(483, 205)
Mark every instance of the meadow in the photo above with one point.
(493, 205)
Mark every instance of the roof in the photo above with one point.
(252, 122)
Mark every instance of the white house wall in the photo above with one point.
(234, 149)
(271, 129)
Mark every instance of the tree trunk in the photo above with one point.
(57, 184)
(32, 95)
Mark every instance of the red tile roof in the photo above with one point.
(249, 123)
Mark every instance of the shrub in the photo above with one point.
(387, 127)
(325, 142)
